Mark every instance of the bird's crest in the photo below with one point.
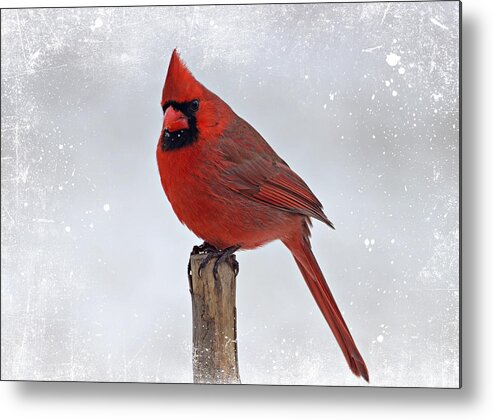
(180, 84)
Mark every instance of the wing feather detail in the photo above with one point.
(272, 182)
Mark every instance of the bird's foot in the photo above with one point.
(221, 256)
(205, 248)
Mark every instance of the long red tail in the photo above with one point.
(303, 255)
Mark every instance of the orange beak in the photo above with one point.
(175, 120)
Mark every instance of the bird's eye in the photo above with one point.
(194, 105)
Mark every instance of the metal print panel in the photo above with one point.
(272, 117)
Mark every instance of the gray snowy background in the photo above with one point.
(360, 99)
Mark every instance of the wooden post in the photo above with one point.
(215, 351)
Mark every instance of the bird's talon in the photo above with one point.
(215, 274)
(204, 262)
(200, 270)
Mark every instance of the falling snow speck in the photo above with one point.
(393, 59)
(106, 207)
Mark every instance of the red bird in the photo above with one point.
(230, 188)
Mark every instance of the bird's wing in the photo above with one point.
(254, 170)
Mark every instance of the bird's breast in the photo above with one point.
(200, 197)
(190, 180)
(182, 179)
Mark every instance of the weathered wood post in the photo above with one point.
(215, 351)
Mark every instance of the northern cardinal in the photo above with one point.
(230, 188)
